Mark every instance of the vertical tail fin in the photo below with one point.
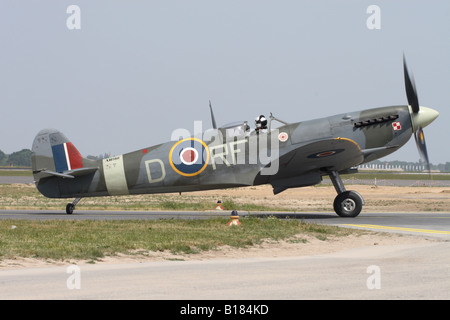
(52, 151)
(59, 170)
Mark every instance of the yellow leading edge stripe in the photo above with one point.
(372, 226)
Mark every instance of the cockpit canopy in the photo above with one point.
(235, 129)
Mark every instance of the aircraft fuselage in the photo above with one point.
(306, 151)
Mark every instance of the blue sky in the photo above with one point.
(137, 70)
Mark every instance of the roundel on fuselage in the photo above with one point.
(189, 157)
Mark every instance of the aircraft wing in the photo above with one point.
(305, 165)
(328, 155)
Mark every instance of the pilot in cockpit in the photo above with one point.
(261, 124)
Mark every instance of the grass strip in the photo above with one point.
(93, 239)
(15, 173)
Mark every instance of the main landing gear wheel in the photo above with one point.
(348, 204)
(69, 208)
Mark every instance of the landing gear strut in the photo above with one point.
(71, 206)
(347, 204)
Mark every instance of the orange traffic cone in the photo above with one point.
(234, 219)
(219, 205)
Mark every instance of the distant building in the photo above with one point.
(400, 166)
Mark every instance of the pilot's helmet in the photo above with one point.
(261, 122)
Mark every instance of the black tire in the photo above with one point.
(348, 204)
(69, 208)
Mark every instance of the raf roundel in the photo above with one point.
(326, 153)
(283, 136)
(189, 157)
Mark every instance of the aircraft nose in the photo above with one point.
(424, 117)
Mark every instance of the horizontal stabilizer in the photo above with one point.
(70, 174)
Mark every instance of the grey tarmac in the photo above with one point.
(403, 272)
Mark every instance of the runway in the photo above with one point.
(417, 271)
(431, 224)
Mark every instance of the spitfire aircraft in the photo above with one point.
(293, 155)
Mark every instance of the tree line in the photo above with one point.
(20, 158)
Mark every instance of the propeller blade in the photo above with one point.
(422, 147)
(410, 87)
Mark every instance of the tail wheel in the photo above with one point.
(348, 204)
(69, 208)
